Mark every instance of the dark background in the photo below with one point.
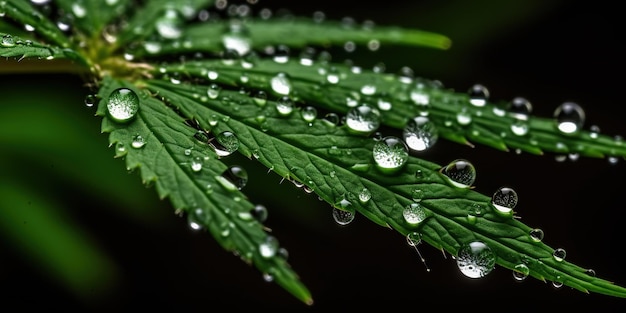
(546, 51)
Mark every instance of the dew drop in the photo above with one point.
(236, 176)
(420, 133)
(237, 37)
(368, 90)
(309, 114)
(269, 247)
(520, 272)
(475, 259)
(281, 84)
(413, 239)
(504, 200)
(461, 173)
(520, 108)
(519, 128)
(343, 216)
(363, 119)
(390, 154)
(478, 95)
(260, 98)
(122, 105)
(169, 25)
(213, 91)
(414, 213)
(260, 213)
(196, 164)
(225, 143)
(569, 117)
(559, 254)
(196, 218)
(138, 142)
(284, 105)
(90, 100)
(365, 195)
(536, 234)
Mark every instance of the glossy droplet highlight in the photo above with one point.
(122, 105)
(390, 154)
(420, 133)
(363, 119)
(460, 173)
(414, 214)
(225, 143)
(476, 259)
(504, 200)
(569, 117)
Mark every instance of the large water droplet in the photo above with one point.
(269, 247)
(123, 105)
(420, 133)
(390, 154)
(475, 259)
(363, 119)
(504, 200)
(414, 213)
(461, 173)
(225, 143)
(343, 216)
(478, 95)
(569, 117)
(281, 84)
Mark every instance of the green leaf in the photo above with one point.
(183, 167)
(14, 46)
(91, 16)
(338, 166)
(22, 12)
(402, 97)
(254, 34)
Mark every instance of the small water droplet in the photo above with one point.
(519, 128)
(420, 133)
(343, 216)
(368, 90)
(196, 218)
(569, 117)
(260, 98)
(504, 200)
(284, 105)
(520, 108)
(196, 164)
(413, 239)
(138, 142)
(536, 234)
(414, 213)
(225, 143)
(559, 254)
(461, 173)
(169, 25)
(90, 100)
(122, 105)
(521, 272)
(390, 154)
(281, 84)
(260, 213)
(476, 259)
(363, 119)
(269, 247)
(236, 176)
(237, 37)
(309, 114)
(213, 91)
(478, 95)
(365, 195)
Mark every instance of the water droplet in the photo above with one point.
(569, 117)
(363, 119)
(414, 213)
(413, 239)
(343, 216)
(536, 234)
(236, 176)
(7, 41)
(520, 108)
(260, 213)
(169, 25)
(504, 200)
(138, 142)
(476, 260)
(390, 154)
(122, 105)
(196, 218)
(420, 133)
(309, 114)
(269, 247)
(196, 164)
(281, 84)
(284, 105)
(237, 37)
(260, 98)
(213, 91)
(461, 173)
(478, 95)
(559, 254)
(368, 90)
(521, 272)
(365, 195)
(90, 100)
(463, 117)
(225, 143)
(152, 47)
(519, 128)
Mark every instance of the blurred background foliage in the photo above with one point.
(77, 231)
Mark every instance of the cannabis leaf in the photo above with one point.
(180, 92)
